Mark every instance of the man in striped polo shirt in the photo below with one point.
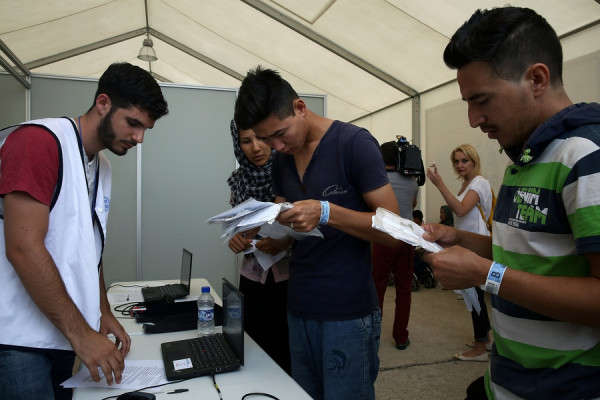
(545, 274)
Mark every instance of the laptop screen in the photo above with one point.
(186, 269)
(233, 318)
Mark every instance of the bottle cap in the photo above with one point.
(205, 289)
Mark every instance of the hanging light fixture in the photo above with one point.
(147, 52)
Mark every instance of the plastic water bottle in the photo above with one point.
(206, 313)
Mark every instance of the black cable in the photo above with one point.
(126, 307)
(216, 386)
(118, 284)
(147, 387)
(260, 394)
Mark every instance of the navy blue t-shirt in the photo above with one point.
(330, 278)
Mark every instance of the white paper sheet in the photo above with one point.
(252, 213)
(136, 375)
(411, 233)
(130, 295)
(265, 260)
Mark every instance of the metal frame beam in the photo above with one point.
(85, 49)
(129, 35)
(7, 66)
(331, 46)
(348, 56)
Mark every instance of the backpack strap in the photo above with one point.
(489, 228)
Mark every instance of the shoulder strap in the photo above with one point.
(483, 216)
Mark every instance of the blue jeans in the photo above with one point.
(35, 374)
(336, 359)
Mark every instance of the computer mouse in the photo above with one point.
(136, 396)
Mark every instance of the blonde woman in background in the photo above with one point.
(475, 190)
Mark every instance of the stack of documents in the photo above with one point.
(411, 233)
(252, 213)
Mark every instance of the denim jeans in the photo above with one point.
(336, 359)
(35, 374)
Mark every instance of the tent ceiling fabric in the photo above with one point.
(215, 42)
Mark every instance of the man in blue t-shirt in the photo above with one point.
(334, 175)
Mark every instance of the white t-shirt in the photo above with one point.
(472, 221)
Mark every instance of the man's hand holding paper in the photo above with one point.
(242, 241)
(424, 237)
(303, 216)
(456, 267)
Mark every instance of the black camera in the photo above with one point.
(402, 141)
(409, 161)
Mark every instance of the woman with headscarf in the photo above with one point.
(475, 192)
(265, 292)
(446, 215)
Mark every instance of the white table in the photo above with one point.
(259, 373)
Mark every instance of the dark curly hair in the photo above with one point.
(128, 85)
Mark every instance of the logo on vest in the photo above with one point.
(527, 201)
(106, 203)
(334, 190)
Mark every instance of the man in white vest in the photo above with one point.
(54, 202)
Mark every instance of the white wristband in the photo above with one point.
(494, 278)
(324, 213)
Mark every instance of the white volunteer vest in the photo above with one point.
(74, 241)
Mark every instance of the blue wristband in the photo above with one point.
(494, 278)
(324, 213)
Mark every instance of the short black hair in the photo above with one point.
(417, 214)
(263, 93)
(510, 39)
(389, 152)
(129, 85)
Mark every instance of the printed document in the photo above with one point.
(252, 213)
(136, 375)
(411, 233)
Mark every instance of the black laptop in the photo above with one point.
(213, 354)
(169, 292)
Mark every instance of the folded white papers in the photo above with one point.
(402, 229)
(265, 260)
(470, 297)
(411, 233)
(252, 213)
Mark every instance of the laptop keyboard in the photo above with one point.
(207, 351)
(175, 291)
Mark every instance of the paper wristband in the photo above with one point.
(494, 278)
(324, 213)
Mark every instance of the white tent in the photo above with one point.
(365, 55)
(379, 62)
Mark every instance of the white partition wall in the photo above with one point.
(13, 103)
(185, 166)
